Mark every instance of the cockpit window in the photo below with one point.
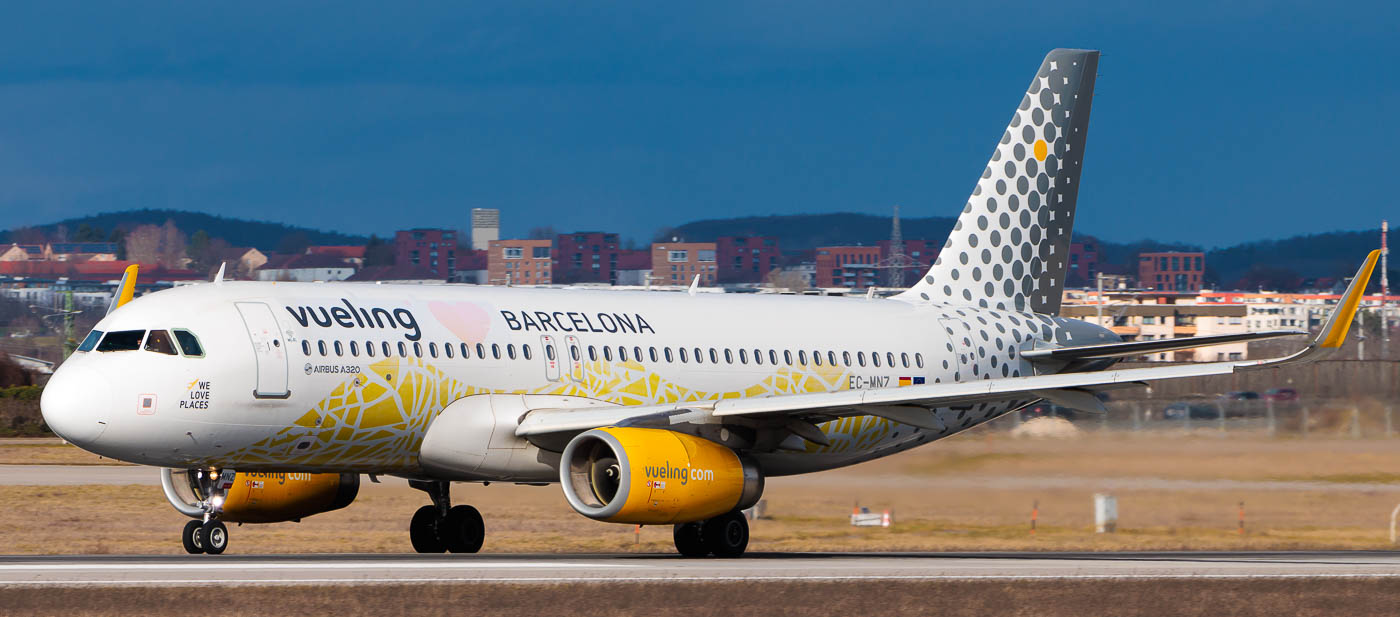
(159, 342)
(90, 341)
(125, 340)
(189, 343)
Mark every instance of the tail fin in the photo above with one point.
(1009, 247)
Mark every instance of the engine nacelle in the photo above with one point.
(252, 497)
(654, 476)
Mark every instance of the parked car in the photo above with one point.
(1240, 395)
(1197, 411)
(1281, 394)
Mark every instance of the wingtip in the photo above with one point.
(1335, 334)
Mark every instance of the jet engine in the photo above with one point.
(254, 497)
(655, 476)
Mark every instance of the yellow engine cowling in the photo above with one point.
(654, 476)
(248, 497)
(277, 497)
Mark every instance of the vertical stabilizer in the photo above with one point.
(1010, 245)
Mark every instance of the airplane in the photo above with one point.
(266, 401)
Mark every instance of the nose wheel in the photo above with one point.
(726, 535)
(442, 527)
(209, 537)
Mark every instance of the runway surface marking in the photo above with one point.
(383, 569)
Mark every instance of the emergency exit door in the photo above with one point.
(268, 349)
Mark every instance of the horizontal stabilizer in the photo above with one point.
(1137, 348)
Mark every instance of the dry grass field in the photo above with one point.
(951, 598)
(975, 492)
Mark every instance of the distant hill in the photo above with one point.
(263, 235)
(806, 231)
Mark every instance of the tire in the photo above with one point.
(423, 531)
(690, 542)
(462, 531)
(727, 535)
(193, 537)
(215, 536)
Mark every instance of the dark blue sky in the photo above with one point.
(1211, 123)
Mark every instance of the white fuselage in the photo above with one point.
(295, 376)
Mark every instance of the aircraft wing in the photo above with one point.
(914, 405)
(1137, 348)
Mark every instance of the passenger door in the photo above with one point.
(268, 349)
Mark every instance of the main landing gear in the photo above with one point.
(205, 537)
(726, 535)
(443, 526)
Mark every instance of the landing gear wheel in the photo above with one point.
(215, 536)
(463, 530)
(193, 537)
(423, 531)
(689, 540)
(727, 535)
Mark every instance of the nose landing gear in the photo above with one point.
(443, 527)
(726, 535)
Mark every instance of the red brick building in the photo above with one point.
(520, 262)
(586, 257)
(1083, 262)
(1171, 271)
(434, 250)
(677, 263)
(853, 267)
(746, 259)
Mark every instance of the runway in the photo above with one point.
(188, 570)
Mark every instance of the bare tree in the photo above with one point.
(160, 245)
(786, 279)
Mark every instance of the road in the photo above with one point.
(359, 569)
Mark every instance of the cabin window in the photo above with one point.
(860, 358)
(418, 350)
(305, 347)
(758, 356)
(637, 353)
(403, 350)
(90, 340)
(592, 353)
(159, 342)
(714, 356)
(189, 343)
(466, 351)
(573, 353)
(321, 348)
(354, 349)
(875, 358)
(685, 357)
(549, 352)
(743, 356)
(525, 350)
(904, 359)
(384, 347)
(846, 358)
(621, 353)
(124, 340)
(728, 356)
(481, 351)
(495, 351)
(889, 358)
(651, 352)
(607, 353)
(510, 351)
(369, 348)
(432, 349)
(831, 358)
(669, 356)
(447, 350)
(919, 360)
(802, 357)
(817, 358)
(787, 357)
(339, 349)
(773, 357)
(699, 356)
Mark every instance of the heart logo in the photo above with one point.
(470, 322)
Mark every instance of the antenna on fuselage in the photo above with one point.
(219, 276)
(694, 285)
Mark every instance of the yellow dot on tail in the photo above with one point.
(1040, 149)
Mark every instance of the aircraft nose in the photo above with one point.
(73, 404)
